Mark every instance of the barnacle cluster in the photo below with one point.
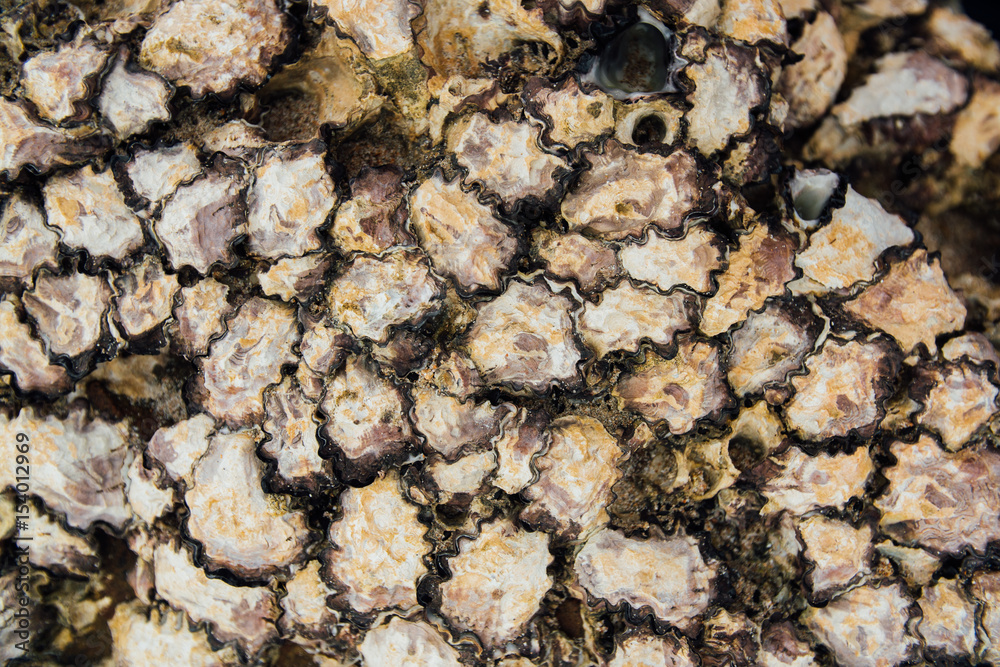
(501, 333)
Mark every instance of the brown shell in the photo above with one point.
(498, 580)
(941, 500)
(843, 389)
(524, 338)
(378, 549)
(668, 576)
(374, 218)
(625, 191)
(212, 47)
(682, 390)
(575, 476)
(247, 359)
(239, 527)
(589, 262)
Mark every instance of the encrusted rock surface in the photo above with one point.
(500, 334)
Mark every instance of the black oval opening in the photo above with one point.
(649, 130)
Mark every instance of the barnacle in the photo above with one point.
(499, 334)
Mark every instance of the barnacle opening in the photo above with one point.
(637, 61)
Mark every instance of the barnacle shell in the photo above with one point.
(811, 85)
(290, 198)
(680, 390)
(498, 580)
(145, 297)
(293, 445)
(297, 278)
(146, 636)
(957, 399)
(374, 218)
(591, 263)
(212, 47)
(977, 130)
(769, 346)
(70, 311)
(26, 244)
(378, 549)
(78, 465)
(199, 223)
(238, 526)
(865, 627)
(28, 143)
(456, 40)
(90, 211)
(522, 437)
(844, 251)
(246, 359)
(727, 87)
(451, 425)
(855, 375)
(940, 500)
(58, 82)
(407, 644)
(199, 317)
(838, 552)
(668, 262)
(625, 191)
(758, 269)
(653, 651)
(505, 158)
(524, 337)
(304, 609)
(668, 576)
(367, 418)
(131, 101)
(808, 482)
(25, 357)
(374, 294)
(56, 549)
(156, 174)
(625, 315)
(912, 303)
(986, 588)
(461, 236)
(570, 115)
(575, 477)
(243, 613)
(949, 618)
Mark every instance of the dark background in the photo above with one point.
(986, 12)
